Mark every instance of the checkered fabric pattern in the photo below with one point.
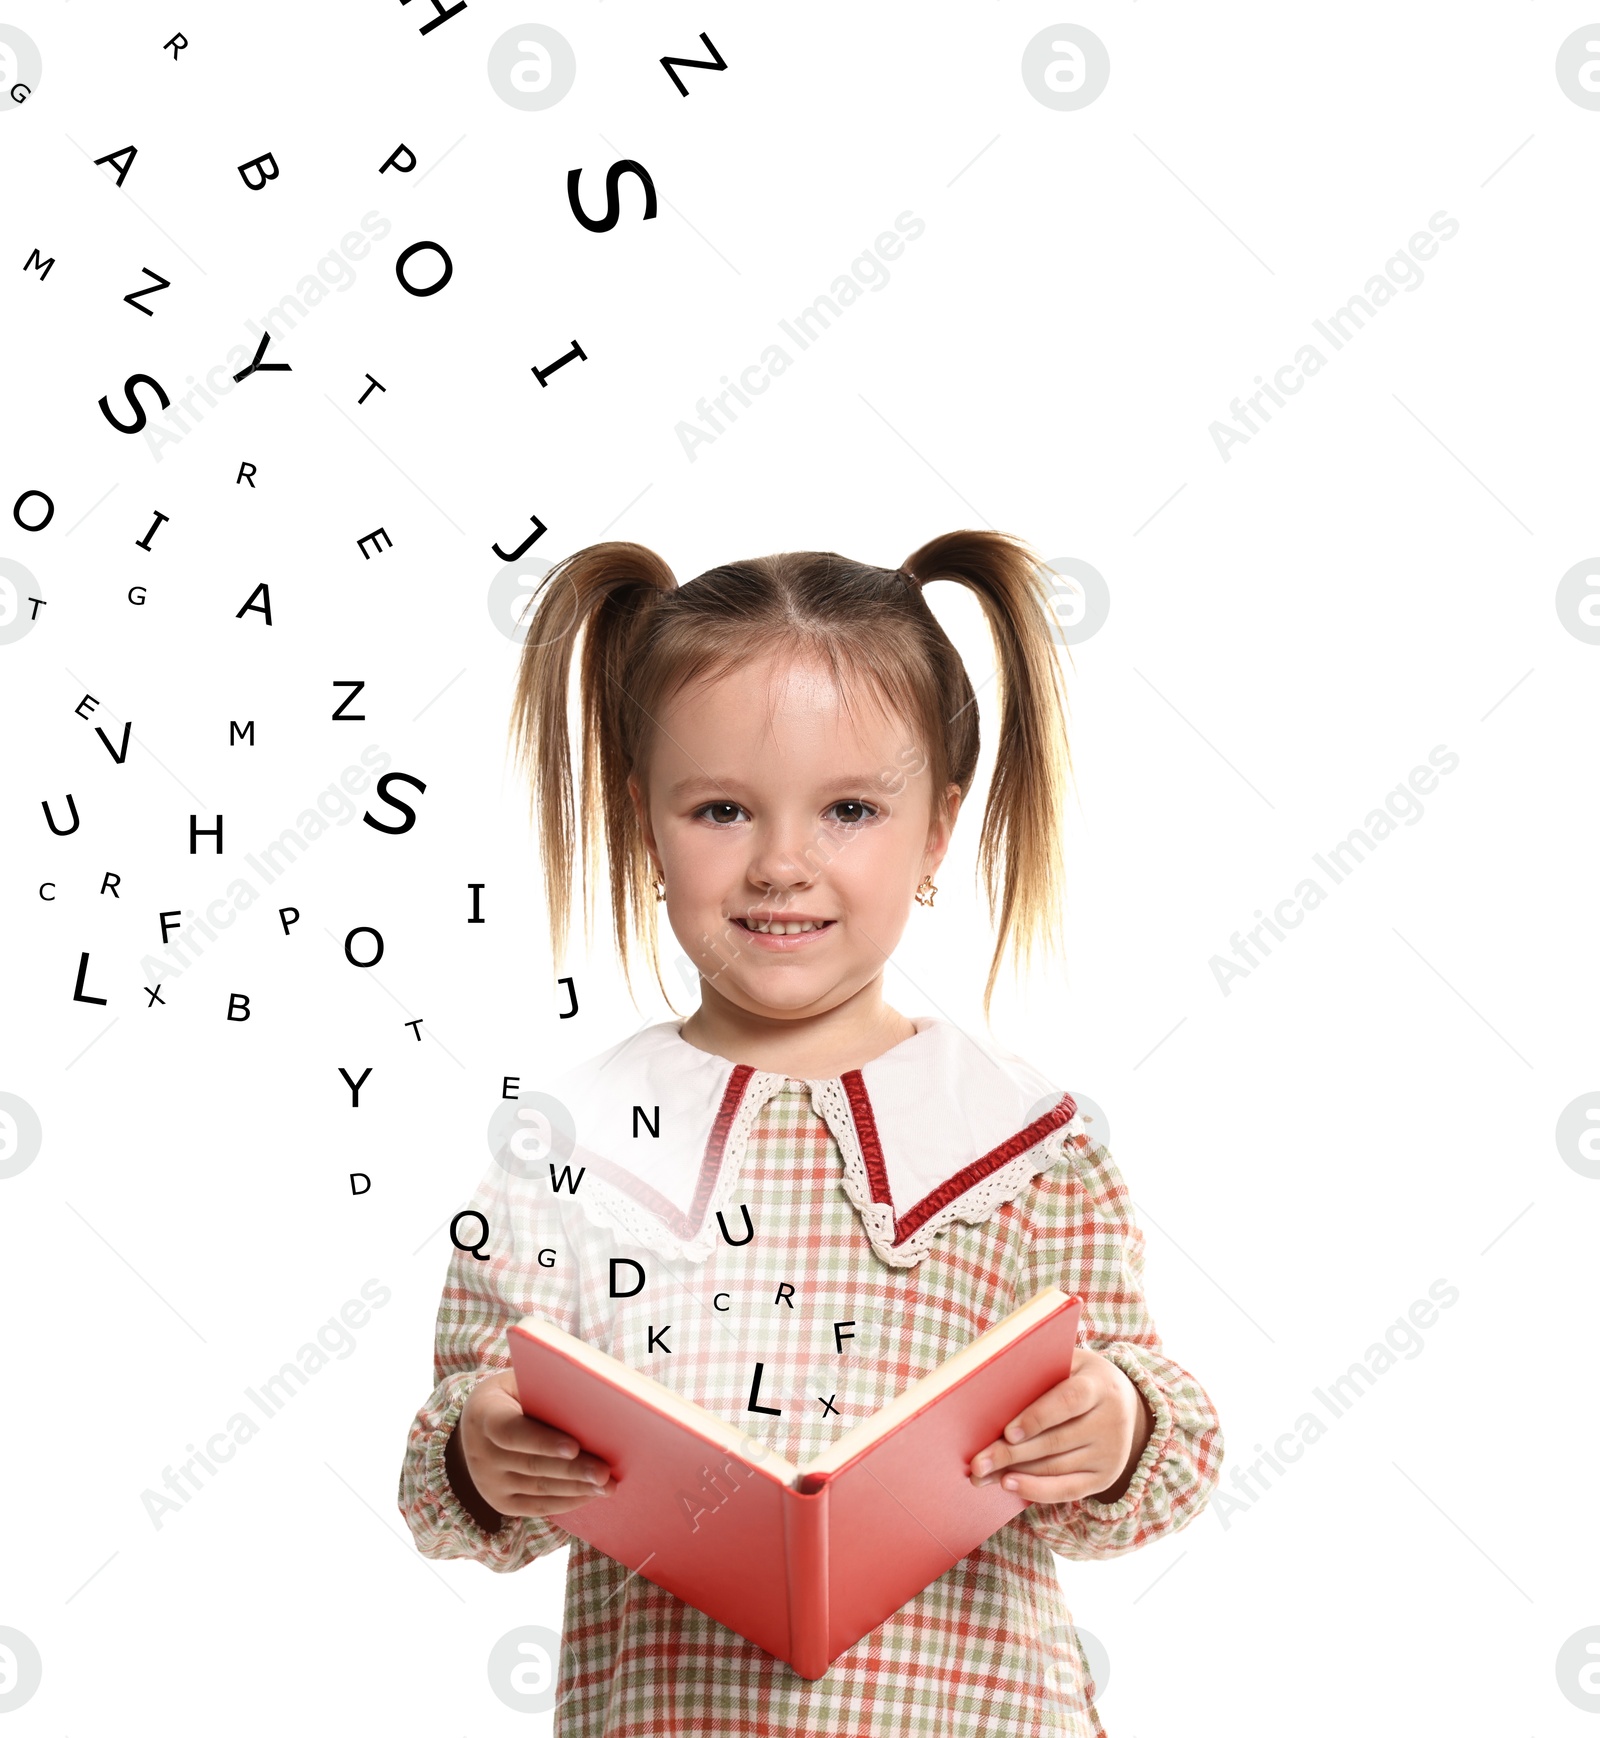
(988, 1647)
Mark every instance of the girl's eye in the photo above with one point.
(852, 803)
(716, 812)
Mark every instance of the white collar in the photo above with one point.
(940, 1127)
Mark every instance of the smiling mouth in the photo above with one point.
(814, 929)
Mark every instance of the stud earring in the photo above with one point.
(661, 889)
(927, 887)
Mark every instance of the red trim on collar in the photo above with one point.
(686, 1225)
(967, 1177)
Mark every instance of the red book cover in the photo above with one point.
(802, 1561)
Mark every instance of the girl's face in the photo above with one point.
(816, 815)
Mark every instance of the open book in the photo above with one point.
(802, 1561)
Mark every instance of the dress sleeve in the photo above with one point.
(480, 1301)
(1086, 1240)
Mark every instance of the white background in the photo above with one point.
(1291, 632)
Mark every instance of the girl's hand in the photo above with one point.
(517, 1463)
(1082, 1438)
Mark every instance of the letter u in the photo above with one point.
(61, 832)
(749, 1228)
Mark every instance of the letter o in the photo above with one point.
(363, 929)
(432, 289)
(49, 509)
(140, 598)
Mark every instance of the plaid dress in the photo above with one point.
(989, 1646)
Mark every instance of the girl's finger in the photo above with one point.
(1043, 1459)
(1053, 1466)
(1064, 1439)
(512, 1428)
(586, 1466)
(539, 1507)
(1055, 1490)
(1058, 1405)
(534, 1485)
(526, 1466)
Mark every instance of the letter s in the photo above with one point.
(390, 778)
(139, 417)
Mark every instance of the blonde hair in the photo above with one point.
(646, 637)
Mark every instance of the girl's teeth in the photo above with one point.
(782, 928)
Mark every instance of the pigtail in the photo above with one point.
(608, 591)
(1019, 848)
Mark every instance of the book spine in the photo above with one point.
(805, 1558)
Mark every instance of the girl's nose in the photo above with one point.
(782, 864)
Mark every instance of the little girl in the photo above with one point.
(798, 1175)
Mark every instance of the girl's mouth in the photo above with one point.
(785, 943)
